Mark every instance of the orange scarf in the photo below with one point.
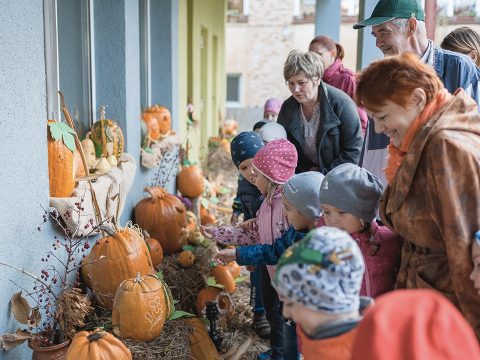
(396, 154)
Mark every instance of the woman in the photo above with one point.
(320, 120)
(433, 197)
(463, 40)
(336, 74)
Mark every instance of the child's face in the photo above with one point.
(270, 115)
(338, 218)
(475, 275)
(295, 217)
(260, 181)
(245, 169)
(307, 318)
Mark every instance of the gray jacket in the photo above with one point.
(339, 136)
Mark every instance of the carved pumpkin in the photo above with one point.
(156, 251)
(224, 277)
(206, 218)
(201, 346)
(113, 259)
(234, 268)
(151, 123)
(185, 259)
(190, 181)
(61, 168)
(163, 118)
(139, 308)
(220, 296)
(113, 137)
(191, 221)
(97, 345)
(164, 216)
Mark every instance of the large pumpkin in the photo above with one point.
(164, 216)
(113, 259)
(61, 167)
(139, 308)
(97, 345)
(201, 346)
(113, 137)
(224, 277)
(164, 120)
(220, 296)
(190, 181)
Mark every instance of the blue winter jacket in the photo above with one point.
(268, 254)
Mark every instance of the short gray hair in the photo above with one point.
(308, 63)
(401, 24)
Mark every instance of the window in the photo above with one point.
(234, 90)
(238, 10)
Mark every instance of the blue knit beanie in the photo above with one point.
(244, 146)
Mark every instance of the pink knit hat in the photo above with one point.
(277, 161)
(272, 105)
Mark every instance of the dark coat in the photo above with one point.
(339, 136)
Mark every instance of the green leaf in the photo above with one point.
(189, 248)
(239, 279)
(186, 162)
(148, 149)
(160, 275)
(175, 301)
(204, 203)
(61, 131)
(211, 281)
(179, 314)
(223, 190)
(214, 200)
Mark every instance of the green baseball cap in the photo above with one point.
(387, 10)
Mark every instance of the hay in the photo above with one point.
(185, 284)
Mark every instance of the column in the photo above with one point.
(328, 18)
(366, 49)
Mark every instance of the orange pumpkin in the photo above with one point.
(139, 308)
(156, 251)
(201, 346)
(152, 124)
(190, 181)
(186, 259)
(113, 259)
(206, 217)
(61, 168)
(191, 221)
(234, 268)
(224, 277)
(79, 168)
(221, 297)
(230, 127)
(97, 345)
(162, 116)
(164, 216)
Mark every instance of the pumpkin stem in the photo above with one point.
(137, 279)
(97, 335)
(146, 235)
(155, 192)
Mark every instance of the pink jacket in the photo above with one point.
(381, 249)
(270, 224)
(345, 79)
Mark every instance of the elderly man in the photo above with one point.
(398, 26)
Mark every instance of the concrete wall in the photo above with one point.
(23, 149)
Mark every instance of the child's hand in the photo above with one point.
(206, 231)
(248, 225)
(251, 268)
(225, 256)
(234, 219)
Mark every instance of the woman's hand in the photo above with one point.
(225, 256)
(248, 225)
(206, 231)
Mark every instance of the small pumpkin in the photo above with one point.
(201, 346)
(110, 135)
(61, 164)
(190, 181)
(89, 150)
(220, 296)
(206, 217)
(113, 259)
(139, 309)
(230, 127)
(164, 216)
(191, 221)
(151, 124)
(224, 277)
(162, 115)
(234, 268)
(185, 259)
(102, 165)
(97, 345)
(156, 251)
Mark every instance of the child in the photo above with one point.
(272, 166)
(350, 197)
(319, 281)
(301, 203)
(271, 109)
(243, 148)
(475, 274)
(272, 131)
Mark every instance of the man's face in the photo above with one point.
(389, 39)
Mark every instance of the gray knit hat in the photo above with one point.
(303, 192)
(323, 271)
(353, 190)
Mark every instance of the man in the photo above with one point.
(398, 26)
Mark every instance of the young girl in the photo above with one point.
(350, 197)
(248, 200)
(272, 166)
